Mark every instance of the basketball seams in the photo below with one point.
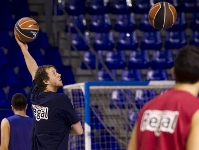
(156, 12)
(164, 15)
(18, 36)
(29, 29)
(19, 20)
(172, 14)
(23, 34)
(156, 5)
(31, 20)
(26, 29)
(25, 22)
(153, 7)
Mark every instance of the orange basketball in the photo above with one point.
(26, 29)
(162, 15)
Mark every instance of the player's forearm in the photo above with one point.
(3, 148)
(30, 62)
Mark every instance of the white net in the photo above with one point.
(113, 112)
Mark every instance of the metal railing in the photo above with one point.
(61, 5)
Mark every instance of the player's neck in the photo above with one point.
(50, 89)
(190, 88)
(20, 113)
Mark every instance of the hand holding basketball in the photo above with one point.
(26, 29)
(162, 15)
(21, 44)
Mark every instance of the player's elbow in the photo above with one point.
(80, 131)
(77, 129)
(76, 132)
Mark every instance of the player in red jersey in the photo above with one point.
(170, 121)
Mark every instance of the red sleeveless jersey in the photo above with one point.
(164, 122)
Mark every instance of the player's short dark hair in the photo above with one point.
(186, 65)
(42, 75)
(19, 101)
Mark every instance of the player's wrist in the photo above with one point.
(24, 48)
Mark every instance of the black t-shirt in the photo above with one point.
(53, 117)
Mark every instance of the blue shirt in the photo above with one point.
(53, 117)
(20, 131)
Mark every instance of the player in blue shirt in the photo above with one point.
(16, 129)
(54, 115)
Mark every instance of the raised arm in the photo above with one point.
(30, 62)
(5, 134)
(192, 141)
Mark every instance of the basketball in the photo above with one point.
(162, 15)
(26, 29)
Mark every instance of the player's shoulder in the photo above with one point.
(4, 122)
(189, 99)
(60, 96)
(150, 103)
(155, 100)
(195, 116)
(61, 99)
(12, 117)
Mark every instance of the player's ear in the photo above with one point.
(46, 82)
(12, 108)
(173, 72)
